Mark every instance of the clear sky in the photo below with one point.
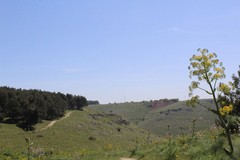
(114, 50)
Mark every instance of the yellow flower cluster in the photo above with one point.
(216, 76)
(197, 58)
(226, 110)
(194, 64)
(206, 63)
(218, 70)
(224, 88)
(210, 56)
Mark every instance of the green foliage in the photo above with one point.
(80, 102)
(170, 150)
(205, 67)
(230, 101)
(93, 102)
(28, 107)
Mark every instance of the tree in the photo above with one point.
(235, 94)
(205, 67)
(41, 108)
(70, 101)
(232, 98)
(27, 107)
(30, 118)
(80, 101)
(92, 102)
(14, 110)
(3, 102)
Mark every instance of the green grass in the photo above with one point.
(98, 133)
(70, 137)
(134, 111)
(176, 115)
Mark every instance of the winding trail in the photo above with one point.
(54, 121)
(66, 116)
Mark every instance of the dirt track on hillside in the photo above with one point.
(54, 121)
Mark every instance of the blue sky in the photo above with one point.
(111, 50)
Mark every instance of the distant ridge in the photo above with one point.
(162, 103)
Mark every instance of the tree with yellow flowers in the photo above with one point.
(206, 68)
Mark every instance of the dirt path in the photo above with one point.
(54, 121)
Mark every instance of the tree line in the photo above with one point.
(28, 107)
(93, 102)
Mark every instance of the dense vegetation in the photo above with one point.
(92, 102)
(28, 107)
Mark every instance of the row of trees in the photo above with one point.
(28, 107)
(93, 102)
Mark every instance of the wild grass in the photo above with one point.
(80, 135)
(157, 120)
(92, 134)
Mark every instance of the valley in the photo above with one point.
(111, 131)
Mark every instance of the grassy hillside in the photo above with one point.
(157, 120)
(178, 115)
(84, 133)
(134, 111)
(92, 134)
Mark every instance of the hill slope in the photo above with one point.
(82, 133)
(157, 120)
(92, 134)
